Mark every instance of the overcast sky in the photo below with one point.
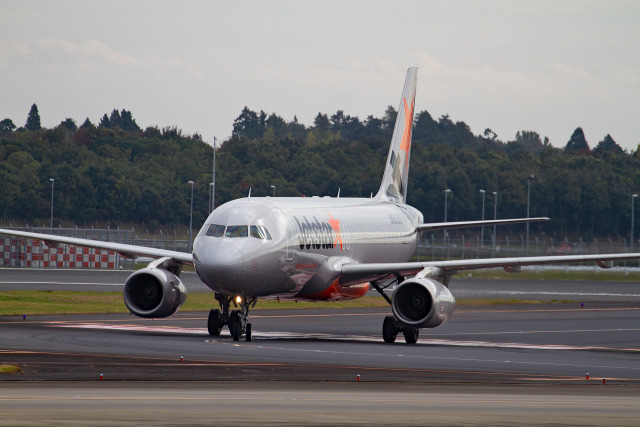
(547, 66)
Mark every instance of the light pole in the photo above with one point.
(274, 190)
(213, 183)
(495, 214)
(52, 184)
(191, 219)
(482, 228)
(446, 194)
(633, 199)
(210, 197)
(529, 178)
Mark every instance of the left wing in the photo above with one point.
(357, 273)
(467, 224)
(127, 251)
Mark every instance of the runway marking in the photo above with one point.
(590, 294)
(331, 337)
(566, 331)
(13, 282)
(103, 326)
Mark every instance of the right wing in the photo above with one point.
(127, 251)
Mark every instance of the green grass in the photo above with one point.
(602, 275)
(9, 369)
(17, 303)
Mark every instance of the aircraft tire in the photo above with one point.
(247, 332)
(389, 329)
(214, 324)
(234, 325)
(410, 334)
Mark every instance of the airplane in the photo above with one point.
(317, 249)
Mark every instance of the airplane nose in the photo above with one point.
(221, 262)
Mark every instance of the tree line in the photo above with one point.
(116, 171)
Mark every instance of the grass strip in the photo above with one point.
(9, 369)
(31, 302)
(599, 275)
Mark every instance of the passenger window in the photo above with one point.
(215, 230)
(237, 231)
(259, 232)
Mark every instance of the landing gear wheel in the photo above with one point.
(234, 325)
(235, 314)
(214, 324)
(410, 334)
(247, 332)
(389, 329)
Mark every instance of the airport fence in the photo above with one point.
(30, 253)
(438, 246)
(20, 252)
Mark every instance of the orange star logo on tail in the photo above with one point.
(335, 224)
(405, 145)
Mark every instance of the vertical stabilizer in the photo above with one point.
(396, 172)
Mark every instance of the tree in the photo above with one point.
(577, 144)
(127, 122)
(104, 122)
(87, 124)
(249, 124)
(607, 147)
(321, 122)
(7, 125)
(69, 124)
(389, 119)
(33, 120)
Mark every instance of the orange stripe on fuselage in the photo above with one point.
(337, 292)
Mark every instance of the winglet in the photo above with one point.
(396, 172)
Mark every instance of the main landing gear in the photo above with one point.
(236, 320)
(391, 327)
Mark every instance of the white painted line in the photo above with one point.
(317, 336)
(584, 294)
(13, 282)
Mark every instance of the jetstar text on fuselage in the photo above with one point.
(319, 235)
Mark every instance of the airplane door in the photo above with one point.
(290, 244)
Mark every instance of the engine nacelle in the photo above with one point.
(154, 293)
(422, 303)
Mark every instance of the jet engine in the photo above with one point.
(154, 293)
(422, 303)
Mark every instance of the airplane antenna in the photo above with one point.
(249, 192)
(338, 192)
(371, 197)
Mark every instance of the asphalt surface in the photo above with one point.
(487, 365)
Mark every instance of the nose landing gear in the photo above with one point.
(236, 320)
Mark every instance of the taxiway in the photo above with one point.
(486, 365)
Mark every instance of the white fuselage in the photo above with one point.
(305, 243)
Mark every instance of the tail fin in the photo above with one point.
(396, 172)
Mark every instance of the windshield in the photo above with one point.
(215, 230)
(260, 232)
(257, 231)
(237, 231)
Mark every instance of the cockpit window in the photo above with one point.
(215, 230)
(260, 232)
(237, 231)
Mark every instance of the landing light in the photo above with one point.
(239, 299)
